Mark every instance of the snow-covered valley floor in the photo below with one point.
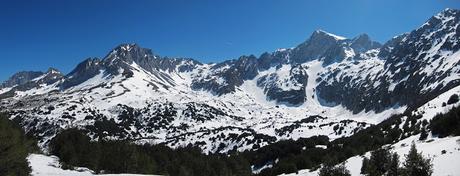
(43, 165)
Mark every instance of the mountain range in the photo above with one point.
(328, 85)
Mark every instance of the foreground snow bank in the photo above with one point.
(443, 164)
(43, 165)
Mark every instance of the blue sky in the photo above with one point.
(35, 35)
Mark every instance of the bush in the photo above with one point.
(453, 99)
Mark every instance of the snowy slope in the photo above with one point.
(246, 111)
(435, 106)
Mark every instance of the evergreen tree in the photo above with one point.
(416, 164)
(378, 163)
(393, 167)
(423, 134)
(13, 149)
(365, 165)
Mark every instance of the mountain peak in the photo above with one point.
(20, 78)
(320, 44)
(362, 36)
(448, 12)
(129, 53)
(322, 33)
(127, 47)
(53, 71)
(443, 16)
(363, 43)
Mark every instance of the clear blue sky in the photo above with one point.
(35, 35)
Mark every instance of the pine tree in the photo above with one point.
(379, 161)
(423, 134)
(393, 167)
(13, 149)
(416, 164)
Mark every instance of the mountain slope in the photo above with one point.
(443, 151)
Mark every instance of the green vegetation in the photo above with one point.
(383, 162)
(14, 149)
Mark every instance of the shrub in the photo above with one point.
(453, 99)
(446, 124)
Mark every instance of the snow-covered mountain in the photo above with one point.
(328, 85)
